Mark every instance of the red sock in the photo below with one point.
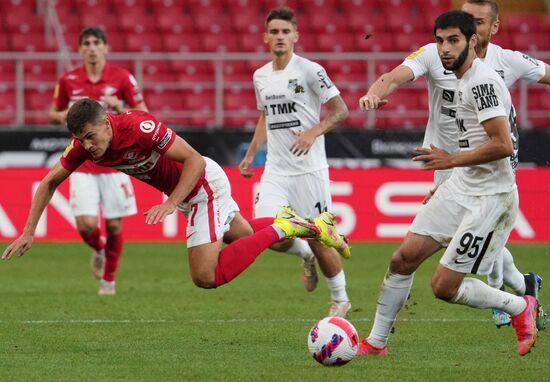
(95, 240)
(113, 250)
(240, 254)
(259, 223)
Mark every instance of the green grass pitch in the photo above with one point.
(160, 327)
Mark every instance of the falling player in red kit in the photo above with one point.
(94, 186)
(139, 145)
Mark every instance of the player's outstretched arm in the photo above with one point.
(259, 138)
(497, 147)
(337, 113)
(43, 195)
(193, 167)
(386, 84)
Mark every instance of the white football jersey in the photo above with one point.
(291, 99)
(482, 95)
(441, 130)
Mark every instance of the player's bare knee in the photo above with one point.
(442, 291)
(204, 281)
(400, 264)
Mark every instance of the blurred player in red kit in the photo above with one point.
(93, 186)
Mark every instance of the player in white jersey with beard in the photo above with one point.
(289, 92)
(441, 129)
(472, 213)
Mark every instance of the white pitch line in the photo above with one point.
(228, 321)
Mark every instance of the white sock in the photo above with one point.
(512, 276)
(393, 294)
(279, 231)
(337, 287)
(476, 294)
(495, 278)
(300, 248)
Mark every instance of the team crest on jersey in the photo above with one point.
(147, 126)
(130, 155)
(295, 86)
(500, 73)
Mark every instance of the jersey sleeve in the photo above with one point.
(528, 68)
(60, 97)
(259, 104)
(420, 61)
(319, 81)
(488, 95)
(74, 155)
(152, 133)
(131, 91)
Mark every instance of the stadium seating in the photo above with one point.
(237, 26)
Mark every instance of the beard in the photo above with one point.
(481, 45)
(460, 60)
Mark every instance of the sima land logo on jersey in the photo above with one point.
(484, 96)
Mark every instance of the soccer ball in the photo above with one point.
(333, 341)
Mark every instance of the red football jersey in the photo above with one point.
(114, 81)
(137, 148)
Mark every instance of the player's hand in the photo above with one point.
(244, 167)
(112, 102)
(158, 213)
(304, 141)
(371, 101)
(18, 247)
(434, 158)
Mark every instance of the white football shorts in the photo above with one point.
(112, 192)
(308, 194)
(473, 228)
(210, 212)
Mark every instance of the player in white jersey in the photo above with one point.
(289, 93)
(441, 129)
(472, 213)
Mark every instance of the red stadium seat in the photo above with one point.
(219, 42)
(366, 20)
(307, 42)
(252, 42)
(211, 22)
(327, 21)
(24, 23)
(136, 22)
(7, 72)
(174, 22)
(531, 42)
(545, 22)
(236, 72)
(144, 42)
(379, 42)
(247, 20)
(523, 23)
(181, 43)
(345, 67)
(37, 104)
(194, 72)
(7, 105)
(337, 42)
(267, 5)
(502, 39)
(108, 22)
(410, 42)
(405, 20)
(201, 105)
(158, 71)
(31, 42)
(160, 99)
(71, 26)
(40, 71)
(93, 7)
